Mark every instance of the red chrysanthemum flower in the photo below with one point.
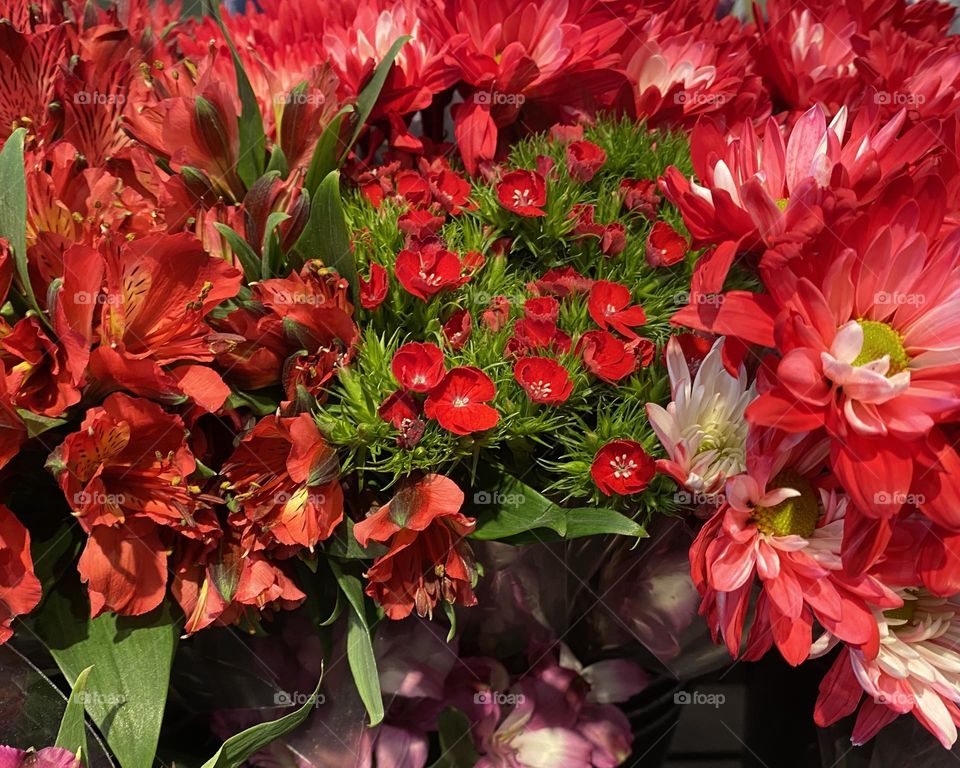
(287, 485)
(418, 367)
(428, 270)
(606, 356)
(609, 306)
(523, 192)
(458, 402)
(584, 159)
(374, 289)
(19, 587)
(428, 559)
(665, 246)
(622, 467)
(543, 379)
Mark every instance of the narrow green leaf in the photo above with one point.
(13, 210)
(363, 664)
(327, 236)
(371, 92)
(508, 507)
(252, 138)
(131, 655)
(456, 742)
(325, 155)
(451, 612)
(590, 521)
(36, 423)
(270, 263)
(343, 544)
(236, 750)
(247, 256)
(73, 728)
(278, 162)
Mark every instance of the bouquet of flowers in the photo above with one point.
(410, 383)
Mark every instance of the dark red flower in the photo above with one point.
(622, 467)
(585, 225)
(609, 306)
(640, 195)
(458, 402)
(542, 309)
(450, 190)
(498, 313)
(543, 379)
(374, 290)
(613, 241)
(566, 133)
(665, 246)
(286, 480)
(418, 367)
(413, 188)
(420, 223)
(399, 409)
(606, 356)
(538, 328)
(563, 281)
(458, 329)
(523, 192)
(584, 159)
(428, 270)
(19, 587)
(428, 559)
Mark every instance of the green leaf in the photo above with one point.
(131, 655)
(327, 236)
(73, 728)
(325, 155)
(456, 742)
(278, 162)
(239, 748)
(451, 611)
(508, 507)
(247, 256)
(363, 664)
(252, 138)
(36, 423)
(371, 92)
(13, 210)
(261, 403)
(270, 263)
(344, 544)
(590, 521)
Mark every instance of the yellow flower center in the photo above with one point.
(880, 339)
(782, 203)
(796, 516)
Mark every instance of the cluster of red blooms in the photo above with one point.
(825, 145)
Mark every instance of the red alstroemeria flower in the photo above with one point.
(543, 379)
(418, 367)
(428, 270)
(584, 159)
(458, 402)
(223, 587)
(19, 587)
(13, 432)
(606, 356)
(609, 306)
(36, 370)
(622, 467)
(126, 476)
(428, 558)
(374, 289)
(286, 481)
(523, 193)
(458, 329)
(640, 196)
(665, 246)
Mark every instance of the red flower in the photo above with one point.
(420, 223)
(497, 315)
(418, 367)
(584, 159)
(613, 241)
(399, 409)
(609, 306)
(564, 281)
(450, 190)
(640, 195)
(542, 309)
(458, 402)
(126, 476)
(19, 587)
(37, 373)
(222, 588)
(285, 478)
(622, 467)
(428, 559)
(605, 356)
(543, 379)
(458, 329)
(428, 270)
(665, 246)
(523, 193)
(374, 290)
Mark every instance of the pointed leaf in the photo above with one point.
(325, 154)
(13, 210)
(327, 236)
(72, 735)
(242, 250)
